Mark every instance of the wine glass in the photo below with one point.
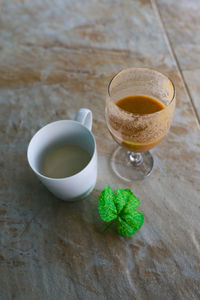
(137, 133)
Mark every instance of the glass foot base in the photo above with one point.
(131, 166)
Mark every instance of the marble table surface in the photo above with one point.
(55, 57)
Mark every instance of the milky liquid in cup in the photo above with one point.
(64, 161)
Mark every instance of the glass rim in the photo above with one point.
(149, 69)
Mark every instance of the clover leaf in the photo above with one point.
(120, 200)
(107, 208)
(130, 223)
(131, 204)
(120, 207)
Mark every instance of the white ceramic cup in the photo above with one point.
(76, 132)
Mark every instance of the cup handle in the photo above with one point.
(84, 116)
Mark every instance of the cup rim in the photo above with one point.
(149, 69)
(63, 178)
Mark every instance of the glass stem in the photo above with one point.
(135, 158)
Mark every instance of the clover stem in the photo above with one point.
(108, 226)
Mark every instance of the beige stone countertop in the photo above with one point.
(55, 57)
